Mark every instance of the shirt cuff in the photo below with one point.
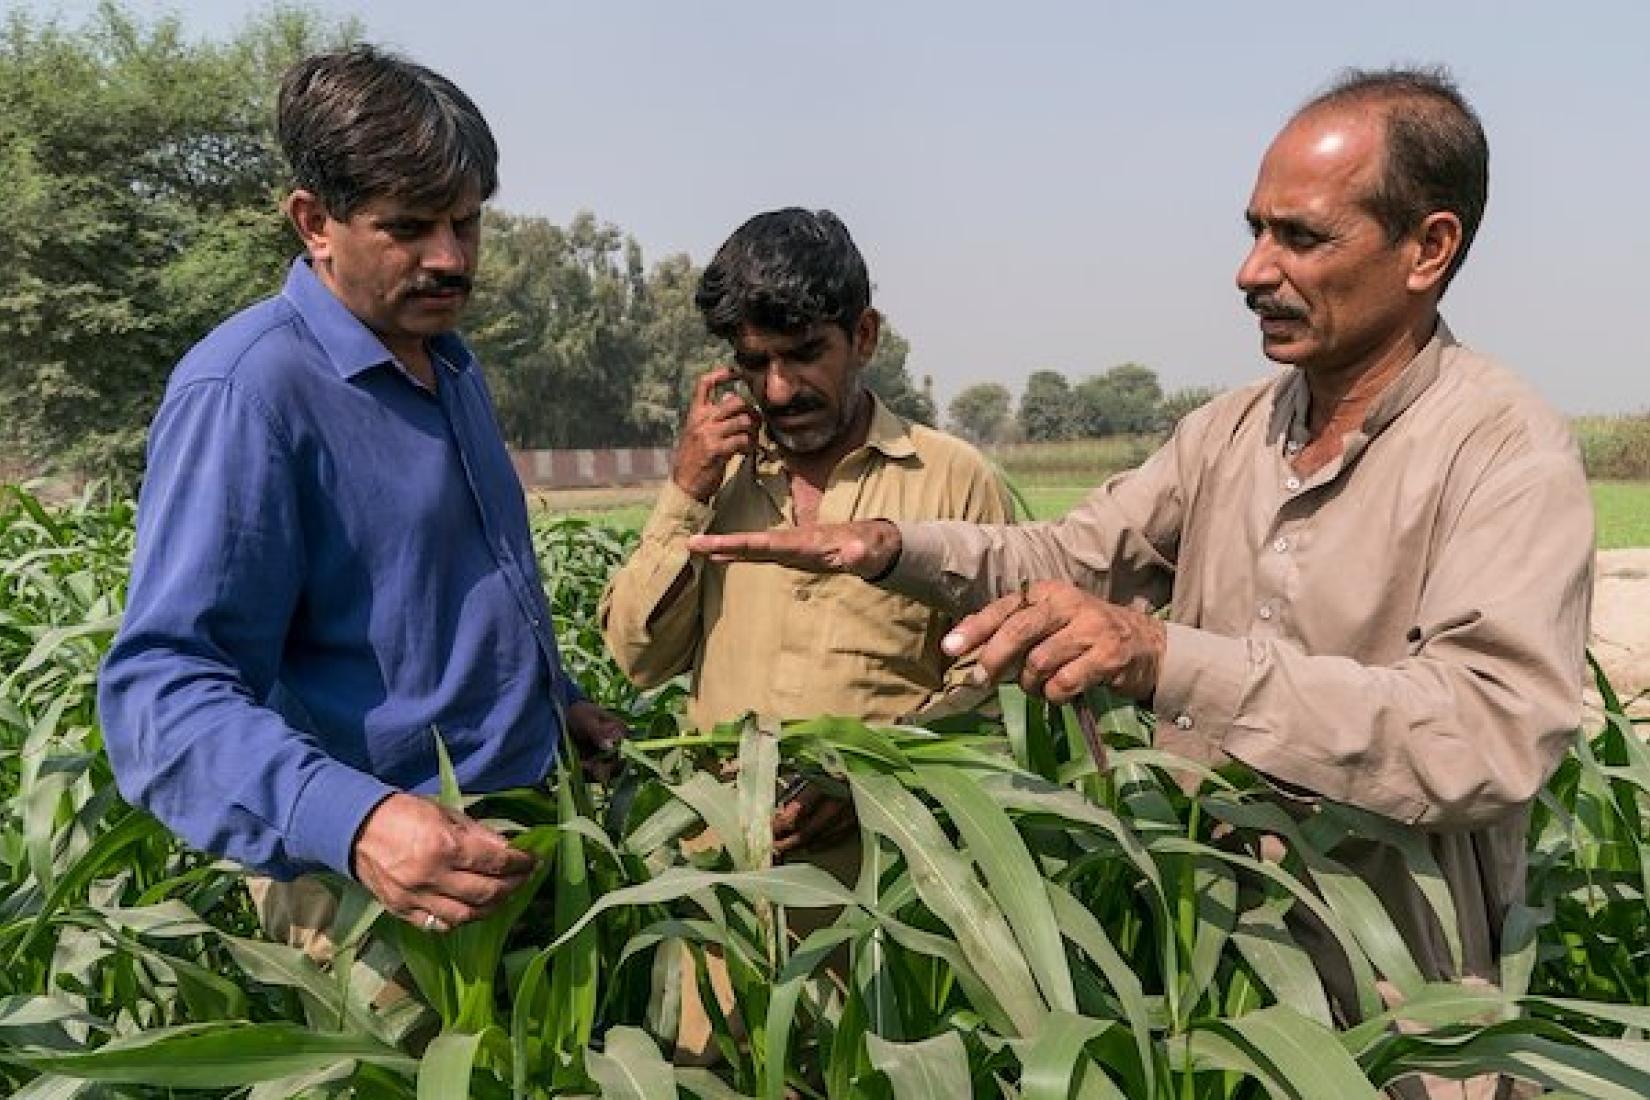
(328, 816)
(1201, 684)
(676, 515)
(920, 572)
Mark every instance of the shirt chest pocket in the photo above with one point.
(877, 625)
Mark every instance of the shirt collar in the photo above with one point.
(350, 346)
(1294, 398)
(888, 434)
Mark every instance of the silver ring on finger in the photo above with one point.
(432, 923)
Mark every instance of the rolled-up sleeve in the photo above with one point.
(184, 693)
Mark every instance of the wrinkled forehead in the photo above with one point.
(756, 340)
(1327, 156)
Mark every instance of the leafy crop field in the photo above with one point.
(1622, 508)
(1022, 924)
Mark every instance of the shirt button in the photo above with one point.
(802, 595)
(1182, 721)
(1293, 484)
(1265, 611)
(1281, 545)
(1292, 447)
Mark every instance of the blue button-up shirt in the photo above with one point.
(332, 564)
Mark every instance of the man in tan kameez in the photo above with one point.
(788, 437)
(1376, 565)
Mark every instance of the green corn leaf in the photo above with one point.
(945, 880)
(809, 956)
(214, 1055)
(631, 1068)
(1085, 931)
(1281, 964)
(448, 1064)
(1290, 1054)
(1014, 879)
(923, 1070)
(571, 1012)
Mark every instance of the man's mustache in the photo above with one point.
(796, 408)
(1273, 308)
(442, 284)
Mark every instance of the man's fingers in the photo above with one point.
(731, 437)
(484, 852)
(820, 823)
(1052, 657)
(707, 383)
(779, 546)
(980, 627)
(861, 547)
(478, 892)
(812, 817)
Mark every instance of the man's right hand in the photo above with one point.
(423, 860)
(715, 431)
(865, 547)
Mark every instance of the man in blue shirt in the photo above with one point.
(333, 562)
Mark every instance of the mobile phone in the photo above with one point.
(736, 386)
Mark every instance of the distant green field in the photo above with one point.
(1623, 509)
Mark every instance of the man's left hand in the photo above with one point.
(811, 818)
(1059, 641)
(597, 732)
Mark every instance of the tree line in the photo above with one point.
(143, 179)
(1126, 400)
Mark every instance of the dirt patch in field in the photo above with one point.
(1621, 622)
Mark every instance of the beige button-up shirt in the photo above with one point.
(1403, 630)
(784, 644)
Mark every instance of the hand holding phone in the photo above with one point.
(721, 422)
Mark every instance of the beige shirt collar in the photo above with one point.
(888, 434)
(1292, 400)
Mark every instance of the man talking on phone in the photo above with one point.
(787, 437)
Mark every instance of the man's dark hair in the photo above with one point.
(1437, 157)
(359, 123)
(785, 271)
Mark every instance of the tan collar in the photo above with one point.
(888, 433)
(1292, 398)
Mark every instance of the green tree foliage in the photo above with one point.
(889, 379)
(142, 184)
(677, 349)
(557, 323)
(980, 412)
(1123, 401)
(141, 178)
(1047, 408)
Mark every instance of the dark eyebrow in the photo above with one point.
(1288, 223)
(402, 221)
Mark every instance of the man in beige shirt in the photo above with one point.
(1377, 565)
(788, 438)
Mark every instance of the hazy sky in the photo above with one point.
(1059, 185)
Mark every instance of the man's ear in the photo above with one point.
(309, 216)
(867, 333)
(1439, 243)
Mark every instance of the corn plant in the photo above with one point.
(1023, 923)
